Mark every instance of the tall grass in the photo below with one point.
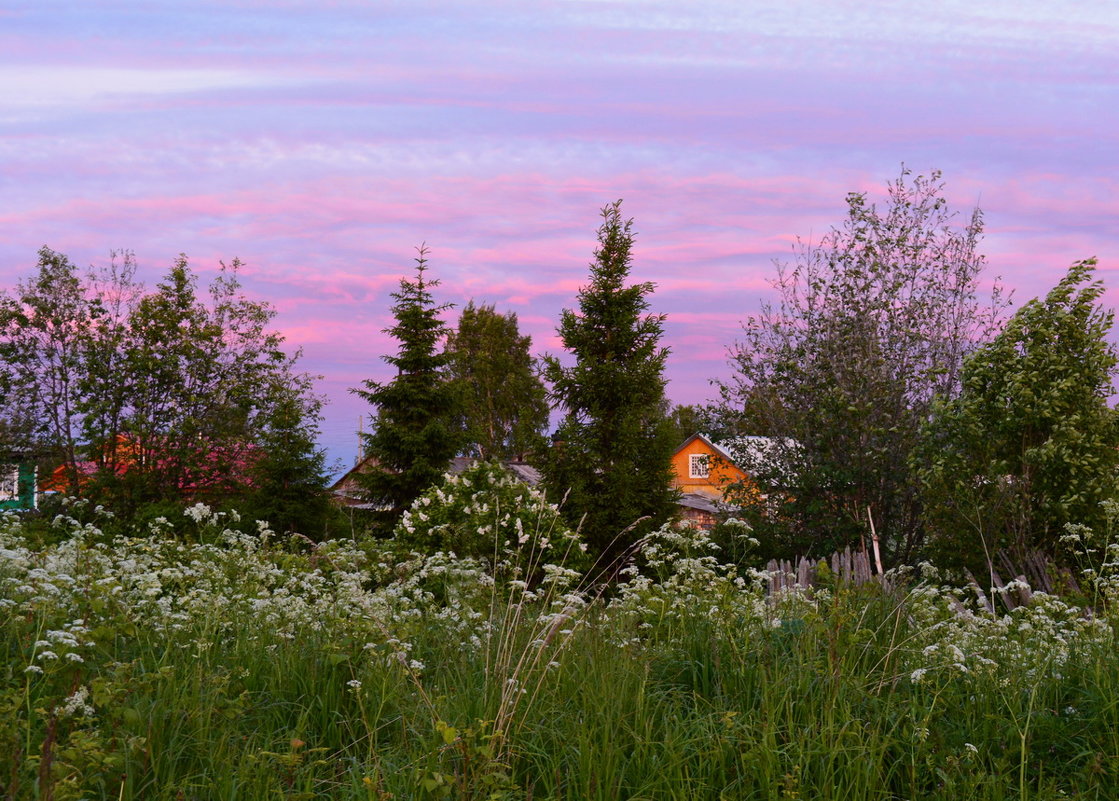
(236, 668)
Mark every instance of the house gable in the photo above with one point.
(700, 466)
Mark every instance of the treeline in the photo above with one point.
(146, 399)
(902, 398)
(895, 393)
(888, 393)
(484, 395)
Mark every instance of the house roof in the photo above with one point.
(753, 454)
(774, 456)
(346, 487)
(703, 503)
(522, 471)
(213, 466)
(716, 447)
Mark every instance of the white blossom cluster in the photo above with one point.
(955, 636)
(486, 511)
(198, 596)
(677, 577)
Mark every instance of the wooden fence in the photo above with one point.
(1032, 573)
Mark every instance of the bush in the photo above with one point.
(486, 513)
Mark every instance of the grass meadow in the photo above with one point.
(210, 659)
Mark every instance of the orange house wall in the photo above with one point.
(720, 472)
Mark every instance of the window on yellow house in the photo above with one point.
(697, 465)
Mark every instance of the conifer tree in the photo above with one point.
(414, 435)
(612, 453)
(288, 486)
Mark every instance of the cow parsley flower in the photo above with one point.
(77, 704)
(199, 513)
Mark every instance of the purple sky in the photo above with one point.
(320, 142)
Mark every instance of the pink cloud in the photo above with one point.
(495, 133)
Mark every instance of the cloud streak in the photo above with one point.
(322, 143)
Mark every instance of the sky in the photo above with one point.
(322, 142)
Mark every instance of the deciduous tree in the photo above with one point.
(503, 404)
(200, 376)
(105, 386)
(870, 325)
(44, 333)
(1030, 444)
(167, 395)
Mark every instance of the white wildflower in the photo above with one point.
(199, 513)
(77, 704)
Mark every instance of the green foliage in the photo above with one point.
(502, 402)
(148, 397)
(246, 665)
(1030, 444)
(44, 331)
(871, 325)
(414, 436)
(486, 513)
(109, 378)
(685, 420)
(288, 478)
(197, 386)
(613, 449)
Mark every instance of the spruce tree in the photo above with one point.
(288, 477)
(612, 453)
(414, 435)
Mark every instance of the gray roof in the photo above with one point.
(522, 471)
(346, 488)
(770, 455)
(703, 503)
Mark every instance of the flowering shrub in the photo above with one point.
(486, 513)
(955, 637)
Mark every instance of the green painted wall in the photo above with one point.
(17, 486)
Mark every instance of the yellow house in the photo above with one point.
(703, 467)
(703, 470)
